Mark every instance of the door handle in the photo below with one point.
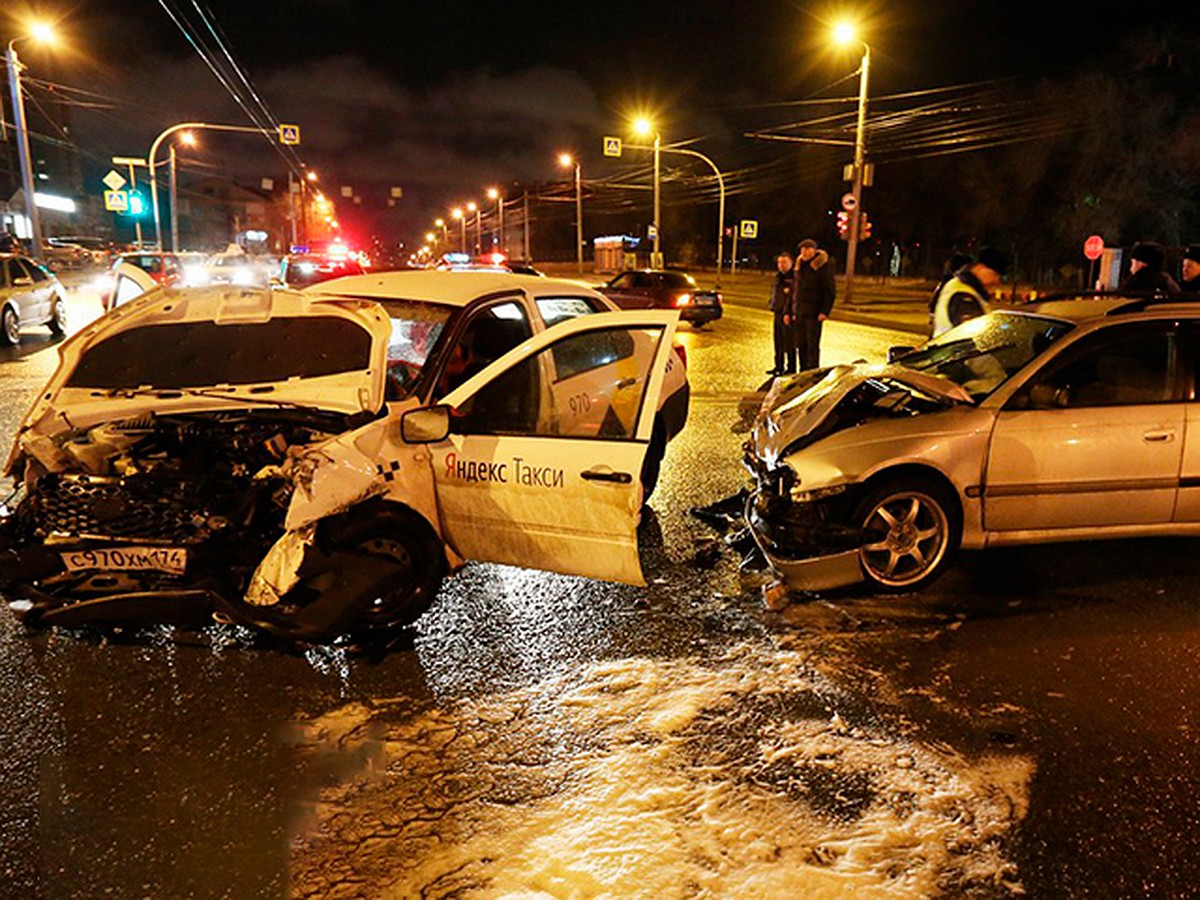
(597, 475)
(1159, 437)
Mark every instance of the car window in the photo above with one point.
(31, 270)
(12, 271)
(559, 309)
(591, 351)
(982, 353)
(602, 402)
(678, 280)
(623, 281)
(416, 327)
(489, 334)
(644, 280)
(1119, 367)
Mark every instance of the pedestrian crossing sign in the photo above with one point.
(748, 229)
(289, 135)
(612, 146)
(116, 201)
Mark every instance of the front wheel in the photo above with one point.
(58, 318)
(911, 530)
(416, 565)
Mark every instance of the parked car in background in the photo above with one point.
(30, 295)
(665, 289)
(1067, 420)
(163, 268)
(97, 250)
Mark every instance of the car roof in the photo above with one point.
(456, 288)
(1083, 307)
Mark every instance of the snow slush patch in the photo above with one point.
(734, 777)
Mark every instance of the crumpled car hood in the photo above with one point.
(795, 406)
(171, 351)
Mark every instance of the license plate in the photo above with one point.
(128, 559)
(705, 301)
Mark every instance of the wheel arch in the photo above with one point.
(911, 470)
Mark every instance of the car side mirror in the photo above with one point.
(426, 425)
(895, 353)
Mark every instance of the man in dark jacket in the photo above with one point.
(785, 316)
(1191, 268)
(815, 291)
(1146, 270)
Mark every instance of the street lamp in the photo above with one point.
(188, 140)
(457, 213)
(644, 128)
(494, 194)
(472, 206)
(42, 33)
(566, 160)
(845, 33)
(151, 163)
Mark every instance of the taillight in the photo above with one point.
(683, 299)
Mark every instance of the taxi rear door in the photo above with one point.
(542, 466)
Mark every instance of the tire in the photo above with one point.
(58, 318)
(652, 463)
(10, 327)
(399, 534)
(912, 528)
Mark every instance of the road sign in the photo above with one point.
(748, 229)
(114, 180)
(849, 201)
(651, 232)
(289, 135)
(1093, 247)
(116, 201)
(612, 146)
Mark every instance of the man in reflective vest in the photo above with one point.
(969, 293)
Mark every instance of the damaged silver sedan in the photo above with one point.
(312, 464)
(1068, 420)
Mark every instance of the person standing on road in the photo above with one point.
(1191, 268)
(814, 295)
(969, 293)
(1146, 270)
(782, 295)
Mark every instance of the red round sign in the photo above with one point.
(1093, 247)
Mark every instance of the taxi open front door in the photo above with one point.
(542, 466)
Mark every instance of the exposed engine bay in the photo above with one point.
(186, 502)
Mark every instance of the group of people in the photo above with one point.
(1147, 270)
(801, 298)
(965, 290)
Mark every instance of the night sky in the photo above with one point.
(445, 98)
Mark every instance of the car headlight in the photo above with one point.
(801, 495)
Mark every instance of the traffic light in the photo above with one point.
(864, 226)
(843, 225)
(137, 205)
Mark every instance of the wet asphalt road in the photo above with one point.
(204, 764)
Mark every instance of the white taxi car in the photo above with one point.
(1067, 420)
(312, 464)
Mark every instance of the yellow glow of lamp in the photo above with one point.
(845, 33)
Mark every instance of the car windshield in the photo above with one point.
(981, 354)
(416, 327)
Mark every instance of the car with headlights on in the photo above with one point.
(313, 464)
(1067, 420)
(665, 289)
